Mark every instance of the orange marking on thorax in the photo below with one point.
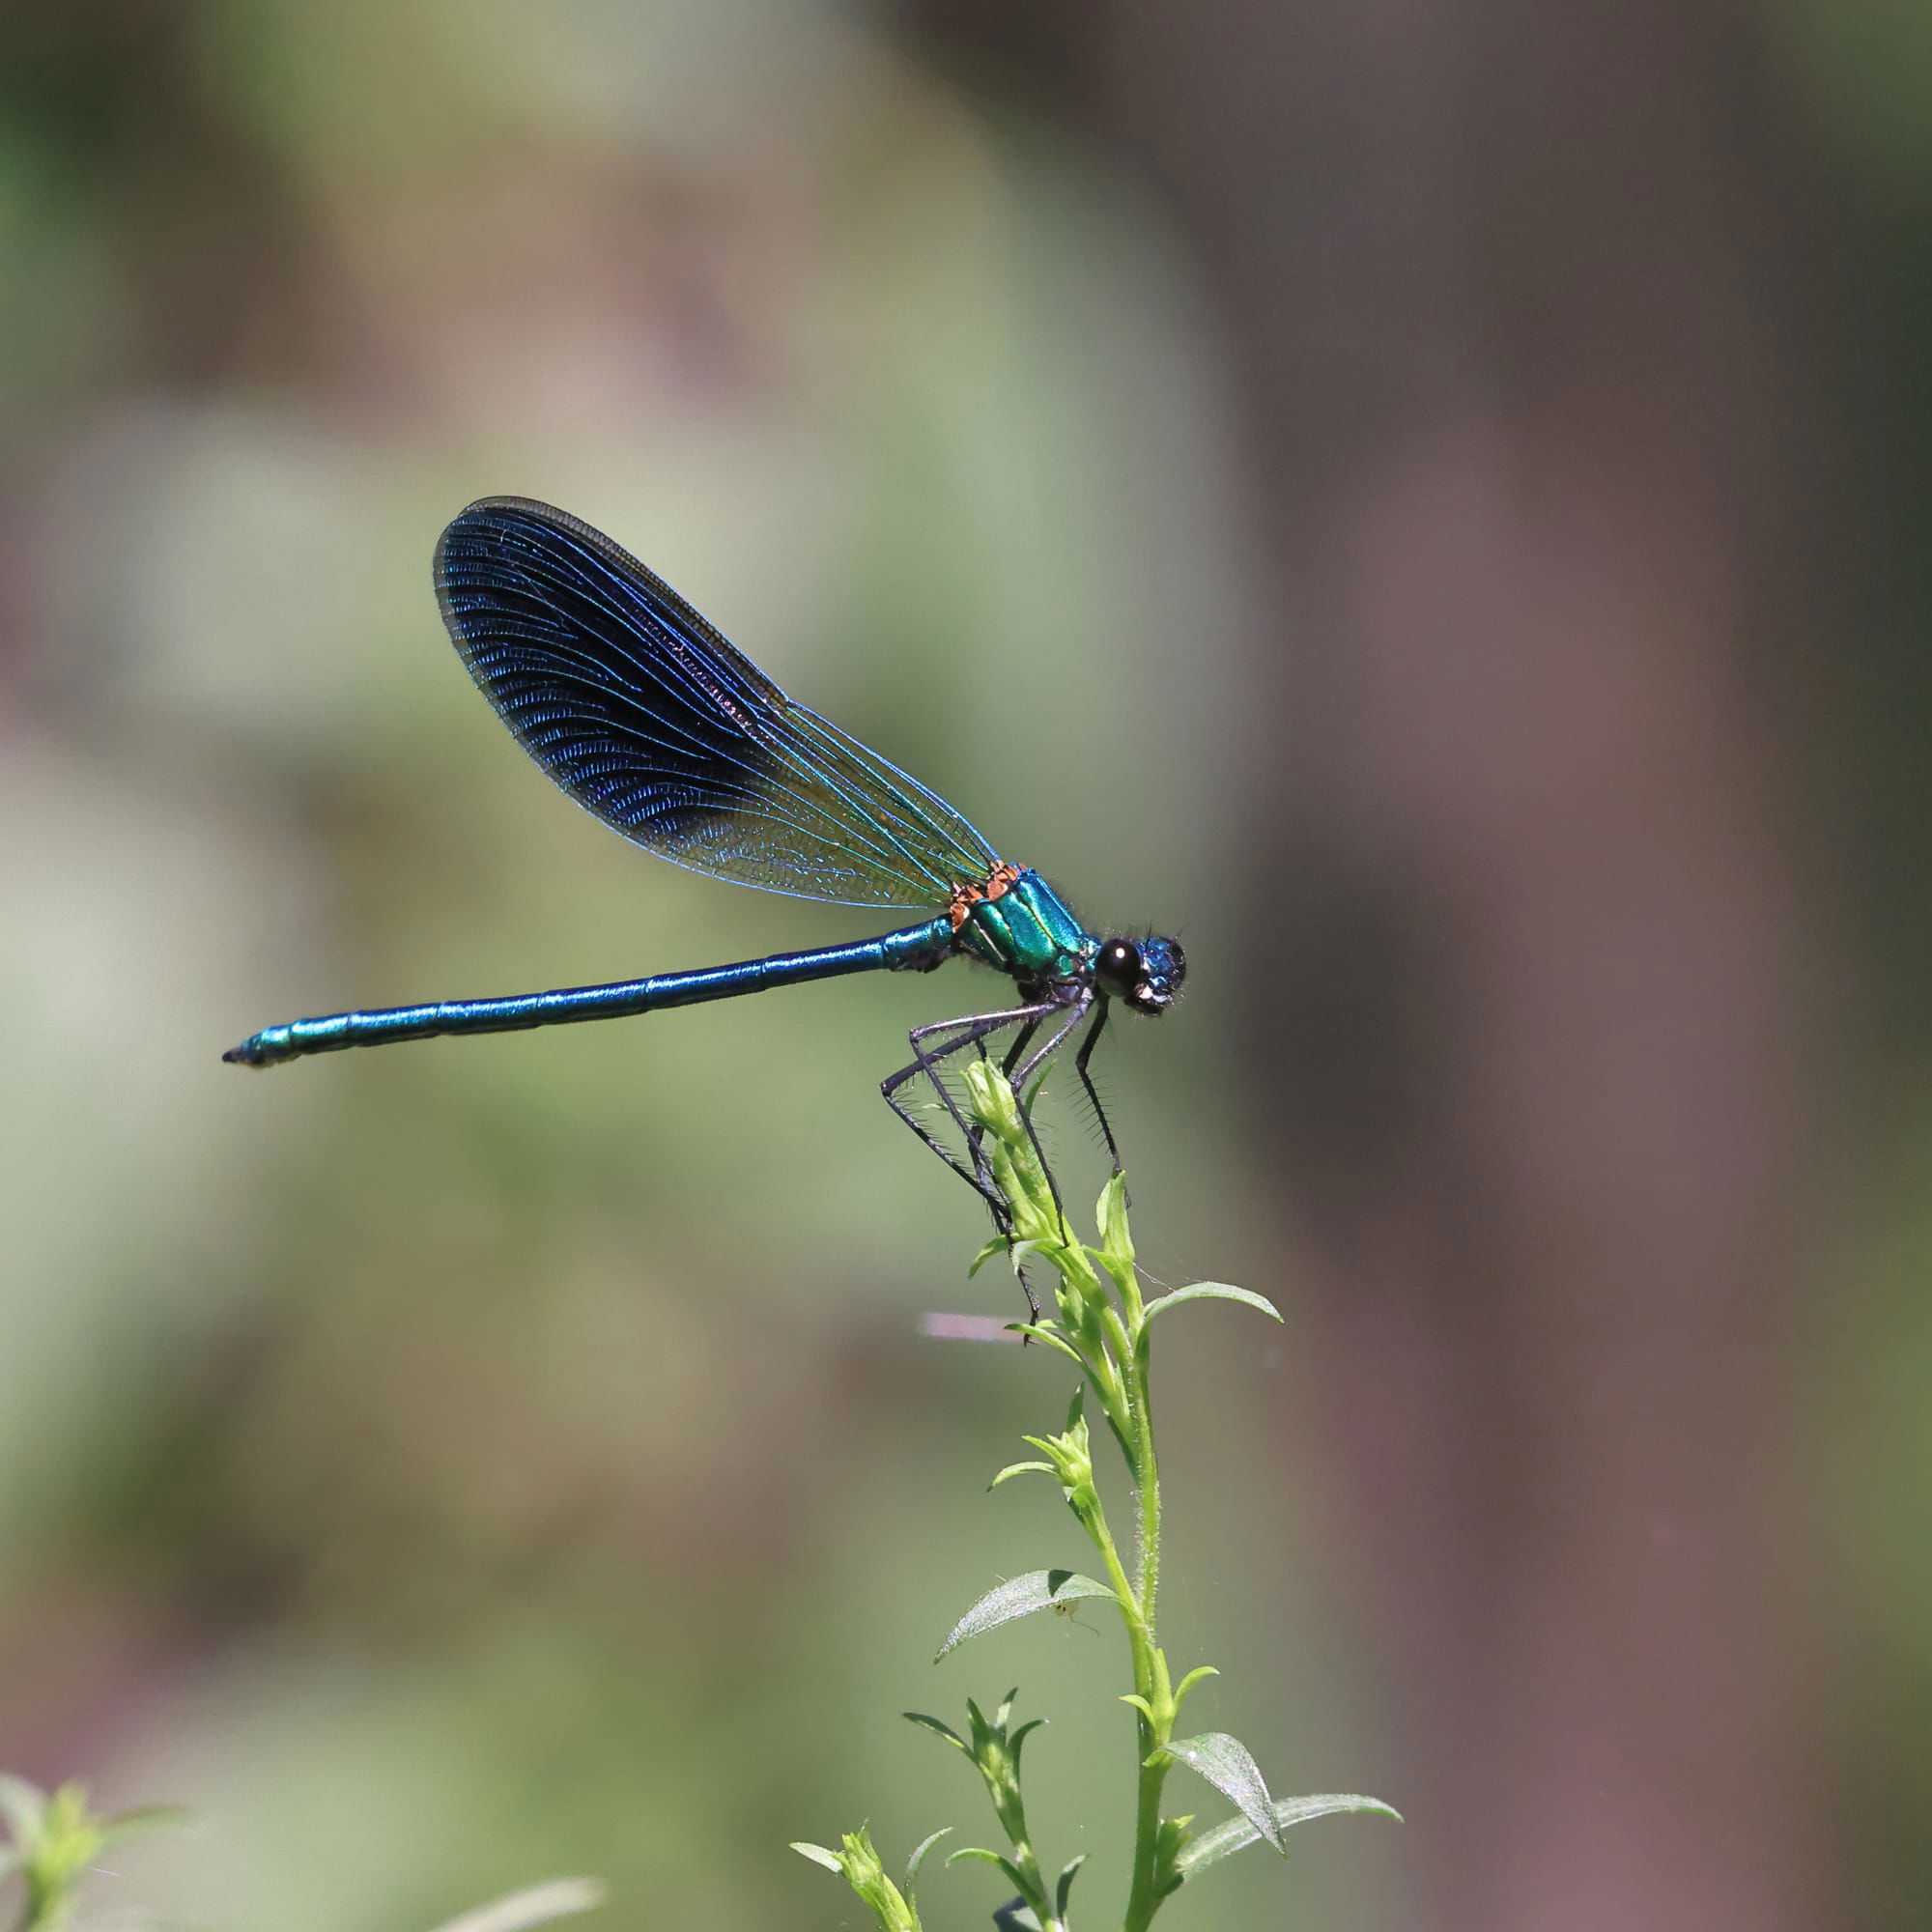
(998, 882)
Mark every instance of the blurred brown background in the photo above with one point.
(1425, 503)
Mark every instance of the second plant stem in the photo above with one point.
(1138, 1596)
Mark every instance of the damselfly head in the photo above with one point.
(1146, 973)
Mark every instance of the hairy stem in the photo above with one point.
(1150, 1674)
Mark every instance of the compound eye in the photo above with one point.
(1117, 967)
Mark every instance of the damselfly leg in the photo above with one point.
(972, 1032)
(1080, 1061)
(927, 1061)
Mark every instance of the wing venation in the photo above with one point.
(651, 718)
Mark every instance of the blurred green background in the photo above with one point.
(1427, 505)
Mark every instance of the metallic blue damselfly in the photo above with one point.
(649, 719)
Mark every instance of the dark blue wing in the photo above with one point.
(647, 717)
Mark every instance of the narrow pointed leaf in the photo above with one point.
(1005, 1865)
(534, 1905)
(1020, 1469)
(1230, 1767)
(1199, 1674)
(946, 1731)
(1213, 1291)
(1116, 1244)
(1238, 1833)
(819, 1855)
(1169, 1841)
(1019, 1597)
(1017, 1253)
(918, 1858)
(1065, 1889)
(1039, 1332)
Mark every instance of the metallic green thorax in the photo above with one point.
(1027, 932)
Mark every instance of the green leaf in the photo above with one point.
(1230, 1767)
(1213, 1291)
(991, 1101)
(946, 1731)
(1169, 1841)
(1063, 1889)
(1016, 1916)
(1038, 1332)
(1115, 1241)
(533, 1905)
(1019, 1738)
(1238, 1833)
(918, 1858)
(1005, 1865)
(1110, 1215)
(1198, 1675)
(1016, 1252)
(819, 1855)
(1020, 1597)
(1021, 1469)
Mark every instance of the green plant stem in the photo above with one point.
(1151, 1673)
(1100, 1323)
(1126, 1396)
(1038, 1892)
(1117, 1361)
(1107, 1335)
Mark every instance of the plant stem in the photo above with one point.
(1126, 1396)
(1107, 1335)
(1150, 1674)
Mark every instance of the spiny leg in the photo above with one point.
(970, 1031)
(1024, 1076)
(1016, 1051)
(1008, 1063)
(1075, 1014)
(977, 1029)
(1080, 1061)
(976, 1177)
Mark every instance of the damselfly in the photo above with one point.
(648, 717)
